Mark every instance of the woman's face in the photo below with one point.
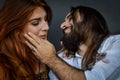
(37, 23)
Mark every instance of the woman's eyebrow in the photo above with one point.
(34, 19)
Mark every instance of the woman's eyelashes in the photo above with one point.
(35, 23)
(46, 19)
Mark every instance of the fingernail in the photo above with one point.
(25, 34)
(29, 32)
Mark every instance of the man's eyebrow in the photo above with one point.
(69, 16)
(34, 19)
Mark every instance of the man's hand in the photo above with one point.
(43, 49)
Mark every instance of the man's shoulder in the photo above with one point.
(111, 40)
(114, 37)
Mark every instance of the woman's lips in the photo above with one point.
(43, 36)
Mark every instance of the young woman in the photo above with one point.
(17, 61)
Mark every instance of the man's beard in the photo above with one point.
(71, 42)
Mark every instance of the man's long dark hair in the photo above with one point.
(92, 29)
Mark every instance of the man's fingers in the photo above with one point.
(31, 46)
(34, 50)
(38, 40)
(34, 37)
(31, 40)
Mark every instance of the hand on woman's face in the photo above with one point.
(42, 49)
(38, 24)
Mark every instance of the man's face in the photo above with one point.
(70, 39)
(67, 25)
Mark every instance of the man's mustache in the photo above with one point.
(66, 28)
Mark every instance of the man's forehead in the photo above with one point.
(78, 17)
(68, 15)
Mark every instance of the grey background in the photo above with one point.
(109, 8)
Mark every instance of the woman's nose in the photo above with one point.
(45, 26)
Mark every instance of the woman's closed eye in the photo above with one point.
(35, 23)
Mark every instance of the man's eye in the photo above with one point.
(70, 18)
(35, 23)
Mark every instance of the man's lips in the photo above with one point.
(66, 29)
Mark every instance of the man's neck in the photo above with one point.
(82, 49)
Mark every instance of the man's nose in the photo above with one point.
(63, 25)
